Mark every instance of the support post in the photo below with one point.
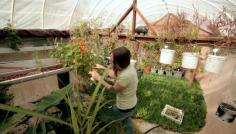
(134, 17)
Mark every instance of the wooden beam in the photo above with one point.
(145, 20)
(134, 17)
(122, 18)
(203, 41)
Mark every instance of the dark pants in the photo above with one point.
(114, 113)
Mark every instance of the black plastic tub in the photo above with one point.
(226, 112)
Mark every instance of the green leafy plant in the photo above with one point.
(12, 36)
(80, 53)
(157, 91)
(177, 64)
(153, 46)
(172, 45)
(72, 56)
(78, 116)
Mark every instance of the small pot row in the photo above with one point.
(213, 64)
(168, 72)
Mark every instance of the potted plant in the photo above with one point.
(161, 69)
(190, 57)
(167, 54)
(178, 72)
(15, 41)
(169, 71)
(225, 26)
(140, 66)
(190, 54)
(214, 63)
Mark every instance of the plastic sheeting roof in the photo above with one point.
(62, 14)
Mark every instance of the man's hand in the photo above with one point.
(98, 66)
(94, 74)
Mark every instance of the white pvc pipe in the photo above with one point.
(35, 76)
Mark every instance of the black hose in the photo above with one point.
(149, 130)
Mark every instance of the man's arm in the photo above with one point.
(116, 87)
(111, 73)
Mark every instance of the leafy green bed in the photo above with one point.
(154, 92)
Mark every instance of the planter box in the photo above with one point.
(214, 63)
(167, 56)
(190, 60)
(173, 114)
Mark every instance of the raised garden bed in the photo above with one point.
(155, 91)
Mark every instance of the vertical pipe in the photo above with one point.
(42, 14)
(12, 12)
(134, 17)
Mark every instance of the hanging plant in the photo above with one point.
(12, 36)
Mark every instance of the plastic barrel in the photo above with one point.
(226, 112)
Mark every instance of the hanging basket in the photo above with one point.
(167, 56)
(190, 60)
(214, 63)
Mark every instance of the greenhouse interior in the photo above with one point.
(117, 66)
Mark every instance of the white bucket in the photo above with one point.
(167, 56)
(190, 60)
(214, 63)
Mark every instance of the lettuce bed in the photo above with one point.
(154, 92)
